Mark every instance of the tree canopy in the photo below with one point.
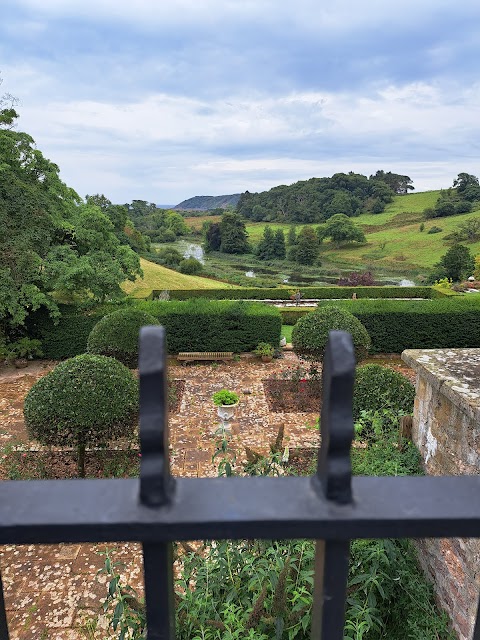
(318, 199)
(50, 240)
(341, 230)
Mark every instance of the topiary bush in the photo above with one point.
(310, 334)
(378, 388)
(85, 401)
(116, 335)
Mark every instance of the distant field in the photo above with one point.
(195, 222)
(158, 277)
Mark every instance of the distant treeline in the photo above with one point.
(318, 199)
(205, 203)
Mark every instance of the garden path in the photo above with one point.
(52, 592)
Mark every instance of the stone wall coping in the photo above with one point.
(453, 372)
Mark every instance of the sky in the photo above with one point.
(161, 101)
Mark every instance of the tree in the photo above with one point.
(213, 239)
(307, 247)
(467, 231)
(467, 186)
(50, 240)
(399, 184)
(341, 230)
(279, 248)
(233, 234)
(457, 264)
(265, 248)
(292, 235)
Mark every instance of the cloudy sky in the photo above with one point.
(163, 100)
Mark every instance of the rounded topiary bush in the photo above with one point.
(310, 334)
(85, 401)
(116, 335)
(377, 388)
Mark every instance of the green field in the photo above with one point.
(394, 240)
(158, 277)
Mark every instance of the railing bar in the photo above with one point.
(330, 589)
(159, 600)
(476, 632)
(3, 615)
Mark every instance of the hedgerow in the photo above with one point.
(202, 325)
(284, 293)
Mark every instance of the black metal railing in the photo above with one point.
(156, 509)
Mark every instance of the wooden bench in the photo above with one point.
(190, 356)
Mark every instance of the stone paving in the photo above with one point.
(52, 592)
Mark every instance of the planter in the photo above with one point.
(226, 413)
(20, 363)
(267, 358)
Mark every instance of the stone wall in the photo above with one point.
(446, 429)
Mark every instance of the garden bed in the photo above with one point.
(292, 396)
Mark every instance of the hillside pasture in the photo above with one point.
(157, 277)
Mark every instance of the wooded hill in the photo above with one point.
(205, 203)
(318, 199)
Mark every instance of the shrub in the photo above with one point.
(354, 279)
(310, 334)
(190, 266)
(116, 335)
(435, 229)
(380, 389)
(85, 401)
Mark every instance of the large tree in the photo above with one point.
(467, 186)
(233, 234)
(341, 230)
(399, 184)
(49, 239)
(457, 264)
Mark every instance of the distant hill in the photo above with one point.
(205, 203)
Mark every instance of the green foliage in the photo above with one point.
(272, 245)
(224, 397)
(457, 264)
(116, 335)
(342, 230)
(169, 257)
(233, 234)
(309, 293)
(467, 231)
(435, 229)
(22, 348)
(317, 199)
(379, 388)
(264, 349)
(201, 325)
(310, 334)
(306, 248)
(85, 401)
(190, 266)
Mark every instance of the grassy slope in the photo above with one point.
(394, 240)
(158, 277)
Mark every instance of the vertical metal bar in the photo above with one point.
(156, 483)
(159, 598)
(334, 470)
(330, 589)
(3, 615)
(476, 631)
(333, 481)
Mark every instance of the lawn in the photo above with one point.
(158, 277)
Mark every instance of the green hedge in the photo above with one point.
(202, 325)
(395, 325)
(196, 325)
(69, 337)
(321, 293)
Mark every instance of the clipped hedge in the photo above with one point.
(377, 388)
(116, 335)
(321, 293)
(310, 334)
(395, 325)
(202, 325)
(67, 338)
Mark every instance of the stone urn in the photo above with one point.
(226, 413)
(267, 358)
